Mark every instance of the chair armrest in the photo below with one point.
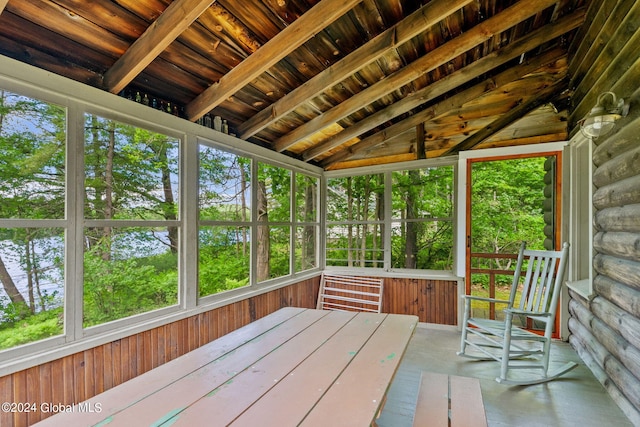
(527, 312)
(477, 298)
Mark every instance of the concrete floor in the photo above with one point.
(576, 399)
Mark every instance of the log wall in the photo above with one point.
(83, 375)
(605, 330)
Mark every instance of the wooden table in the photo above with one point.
(293, 367)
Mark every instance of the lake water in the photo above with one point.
(50, 251)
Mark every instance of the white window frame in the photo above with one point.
(79, 99)
(387, 271)
(580, 270)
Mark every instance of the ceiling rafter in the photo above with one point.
(419, 21)
(176, 18)
(440, 109)
(471, 71)
(437, 57)
(285, 42)
(546, 95)
(3, 3)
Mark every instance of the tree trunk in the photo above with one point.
(169, 208)
(243, 202)
(29, 269)
(262, 264)
(411, 237)
(308, 235)
(350, 225)
(378, 230)
(36, 274)
(365, 217)
(9, 286)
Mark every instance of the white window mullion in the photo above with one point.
(189, 223)
(74, 244)
(253, 274)
(388, 209)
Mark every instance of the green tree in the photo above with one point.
(507, 202)
(32, 155)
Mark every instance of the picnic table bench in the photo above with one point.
(449, 400)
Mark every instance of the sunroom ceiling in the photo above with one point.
(337, 83)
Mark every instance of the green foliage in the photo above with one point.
(223, 260)
(114, 289)
(10, 312)
(31, 328)
(507, 208)
(507, 204)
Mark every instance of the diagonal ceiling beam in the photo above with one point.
(416, 23)
(176, 18)
(453, 102)
(3, 3)
(283, 43)
(471, 71)
(544, 96)
(483, 31)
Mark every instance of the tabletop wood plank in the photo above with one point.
(174, 398)
(357, 395)
(142, 386)
(228, 401)
(288, 402)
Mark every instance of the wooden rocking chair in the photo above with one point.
(513, 346)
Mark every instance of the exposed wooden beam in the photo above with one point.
(3, 3)
(454, 102)
(471, 71)
(547, 95)
(176, 18)
(286, 41)
(416, 23)
(435, 58)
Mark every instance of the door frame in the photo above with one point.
(462, 199)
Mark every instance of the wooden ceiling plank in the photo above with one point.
(395, 36)
(286, 41)
(441, 108)
(176, 18)
(547, 95)
(58, 19)
(485, 30)
(473, 70)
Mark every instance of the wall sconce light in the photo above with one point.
(601, 119)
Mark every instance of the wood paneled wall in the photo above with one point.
(85, 374)
(605, 331)
(433, 301)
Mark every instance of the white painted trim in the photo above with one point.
(513, 151)
(415, 164)
(460, 244)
